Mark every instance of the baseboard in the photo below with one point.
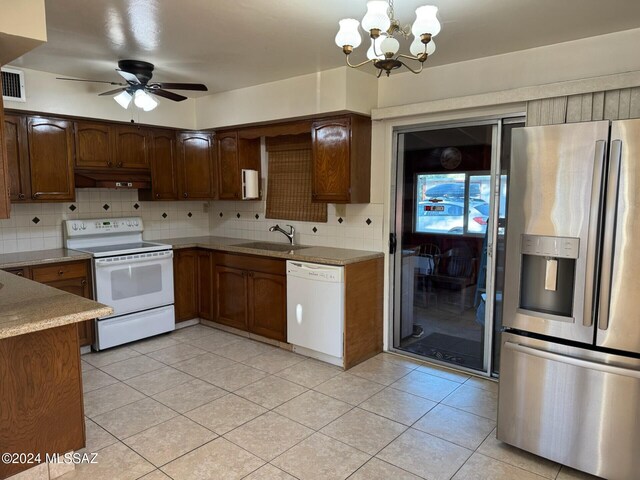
(245, 334)
(187, 323)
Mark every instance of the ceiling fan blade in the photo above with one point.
(94, 81)
(129, 77)
(170, 95)
(183, 86)
(112, 92)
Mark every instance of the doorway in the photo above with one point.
(450, 229)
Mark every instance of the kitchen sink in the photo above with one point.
(274, 247)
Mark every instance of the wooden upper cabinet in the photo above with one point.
(51, 149)
(94, 145)
(228, 166)
(131, 148)
(196, 165)
(234, 154)
(341, 159)
(164, 167)
(15, 135)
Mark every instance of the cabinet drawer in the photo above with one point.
(249, 262)
(21, 272)
(59, 271)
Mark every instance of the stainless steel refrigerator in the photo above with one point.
(570, 358)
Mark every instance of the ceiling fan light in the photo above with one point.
(377, 16)
(124, 99)
(150, 104)
(144, 101)
(348, 33)
(426, 21)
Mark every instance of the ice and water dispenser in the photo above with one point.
(547, 274)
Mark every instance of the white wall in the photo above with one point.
(326, 91)
(22, 27)
(46, 94)
(585, 58)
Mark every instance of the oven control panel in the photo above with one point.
(95, 226)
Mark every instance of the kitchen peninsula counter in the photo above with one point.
(40, 378)
(27, 307)
(40, 257)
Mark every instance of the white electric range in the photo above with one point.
(132, 276)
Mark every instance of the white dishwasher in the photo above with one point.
(315, 310)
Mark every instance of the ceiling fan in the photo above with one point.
(138, 87)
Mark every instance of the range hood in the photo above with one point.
(93, 179)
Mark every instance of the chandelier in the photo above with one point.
(382, 26)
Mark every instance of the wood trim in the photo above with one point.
(252, 263)
(363, 329)
(5, 204)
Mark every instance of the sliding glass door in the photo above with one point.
(450, 217)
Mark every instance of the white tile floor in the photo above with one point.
(201, 404)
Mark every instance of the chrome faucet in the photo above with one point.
(277, 228)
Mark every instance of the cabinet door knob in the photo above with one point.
(185, 194)
(109, 164)
(21, 196)
(157, 195)
(60, 272)
(83, 282)
(35, 196)
(20, 274)
(119, 164)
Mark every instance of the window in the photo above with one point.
(443, 198)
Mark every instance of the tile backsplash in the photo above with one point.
(348, 226)
(37, 226)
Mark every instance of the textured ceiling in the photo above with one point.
(234, 44)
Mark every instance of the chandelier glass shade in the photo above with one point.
(383, 27)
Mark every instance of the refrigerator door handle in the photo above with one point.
(610, 226)
(595, 226)
(576, 362)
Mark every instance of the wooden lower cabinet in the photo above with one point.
(192, 283)
(250, 294)
(41, 396)
(185, 284)
(232, 308)
(71, 277)
(205, 285)
(268, 305)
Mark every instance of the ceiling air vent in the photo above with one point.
(13, 85)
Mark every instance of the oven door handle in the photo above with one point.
(131, 260)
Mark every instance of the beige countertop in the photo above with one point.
(325, 255)
(27, 306)
(39, 257)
